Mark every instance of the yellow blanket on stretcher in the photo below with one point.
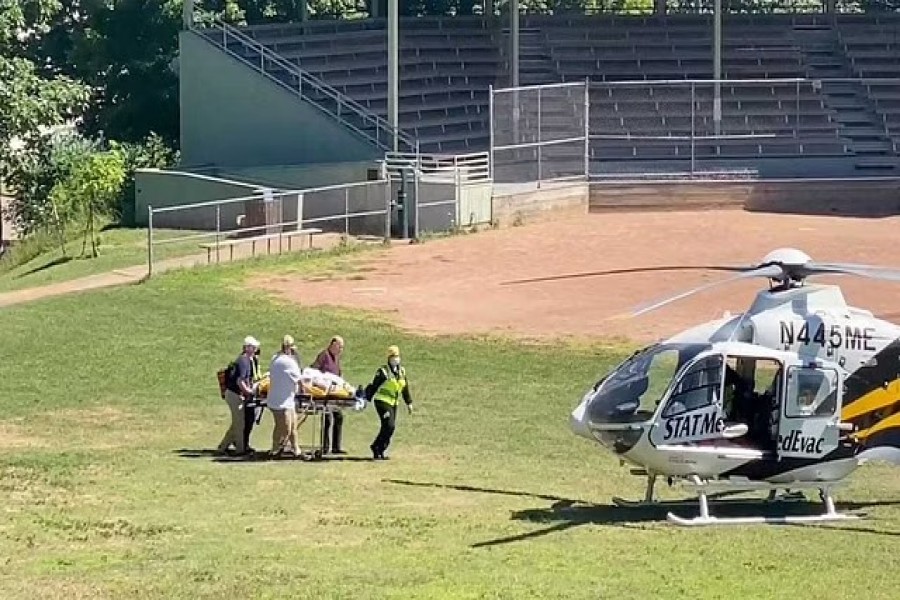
(315, 383)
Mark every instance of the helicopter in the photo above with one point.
(794, 394)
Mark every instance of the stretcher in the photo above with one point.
(319, 408)
(320, 394)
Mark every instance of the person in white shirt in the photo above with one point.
(284, 375)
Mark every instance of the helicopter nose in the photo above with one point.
(578, 421)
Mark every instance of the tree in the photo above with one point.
(50, 159)
(151, 153)
(92, 189)
(125, 50)
(30, 104)
(28, 101)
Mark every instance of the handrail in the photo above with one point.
(261, 195)
(317, 84)
(305, 78)
(471, 167)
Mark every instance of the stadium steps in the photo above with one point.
(848, 100)
(535, 63)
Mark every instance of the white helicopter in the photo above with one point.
(794, 394)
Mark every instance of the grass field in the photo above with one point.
(119, 247)
(110, 405)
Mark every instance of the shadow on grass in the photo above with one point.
(567, 513)
(263, 457)
(53, 263)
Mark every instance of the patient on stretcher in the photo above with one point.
(319, 384)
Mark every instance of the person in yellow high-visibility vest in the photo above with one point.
(388, 385)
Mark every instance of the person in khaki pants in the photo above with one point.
(238, 390)
(284, 375)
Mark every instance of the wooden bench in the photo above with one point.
(268, 238)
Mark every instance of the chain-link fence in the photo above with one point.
(700, 123)
(539, 133)
(273, 221)
(665, 127)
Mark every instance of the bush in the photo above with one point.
(152, 153)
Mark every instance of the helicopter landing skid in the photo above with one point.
(650, 501)
(703, 489)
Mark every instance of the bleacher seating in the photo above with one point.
(445, 70)
(448, 63)
(795, 115)
(873, 51)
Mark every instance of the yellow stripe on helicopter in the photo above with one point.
(883, 425)
(874, 400)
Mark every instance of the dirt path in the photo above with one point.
(134, 274)
(127, 275)
(462, 284)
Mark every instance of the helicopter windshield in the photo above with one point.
(631, 393)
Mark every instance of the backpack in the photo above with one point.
(225, 377)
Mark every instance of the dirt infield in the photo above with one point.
(460, 284)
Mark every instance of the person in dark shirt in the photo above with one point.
(386, 389)
(239, 394)
(329, 361)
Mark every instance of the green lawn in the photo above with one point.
(111, 400)
(119, 247)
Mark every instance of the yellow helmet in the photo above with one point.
(393, 351)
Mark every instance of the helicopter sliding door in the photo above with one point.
(692, 413)
(809, 422)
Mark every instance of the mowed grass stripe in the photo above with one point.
(488, 494)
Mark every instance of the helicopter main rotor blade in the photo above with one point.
(585, 274)
(870, 271)
(769, 272)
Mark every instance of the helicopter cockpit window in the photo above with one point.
(699, 387)
(632, 392)
(811, 392)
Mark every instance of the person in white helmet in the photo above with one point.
(239, 393)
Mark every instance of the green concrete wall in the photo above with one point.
(232, 116)
(297, 177)
(173, 188)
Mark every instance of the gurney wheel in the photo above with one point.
(317, 455)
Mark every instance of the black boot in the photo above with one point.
(376, 453)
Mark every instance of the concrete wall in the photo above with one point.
(296, 177)
(668, 195)
(173, 188)
(875, 197)
(512, 205)
(232, 116)
(767, 168)
(328, 208)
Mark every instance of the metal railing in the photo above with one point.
(688, 127)
(307, 85)
(474, 167)
(706, 119)
(441, 185)
(274, 216)
(547, 126)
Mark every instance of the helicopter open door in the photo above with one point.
(809, 423)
